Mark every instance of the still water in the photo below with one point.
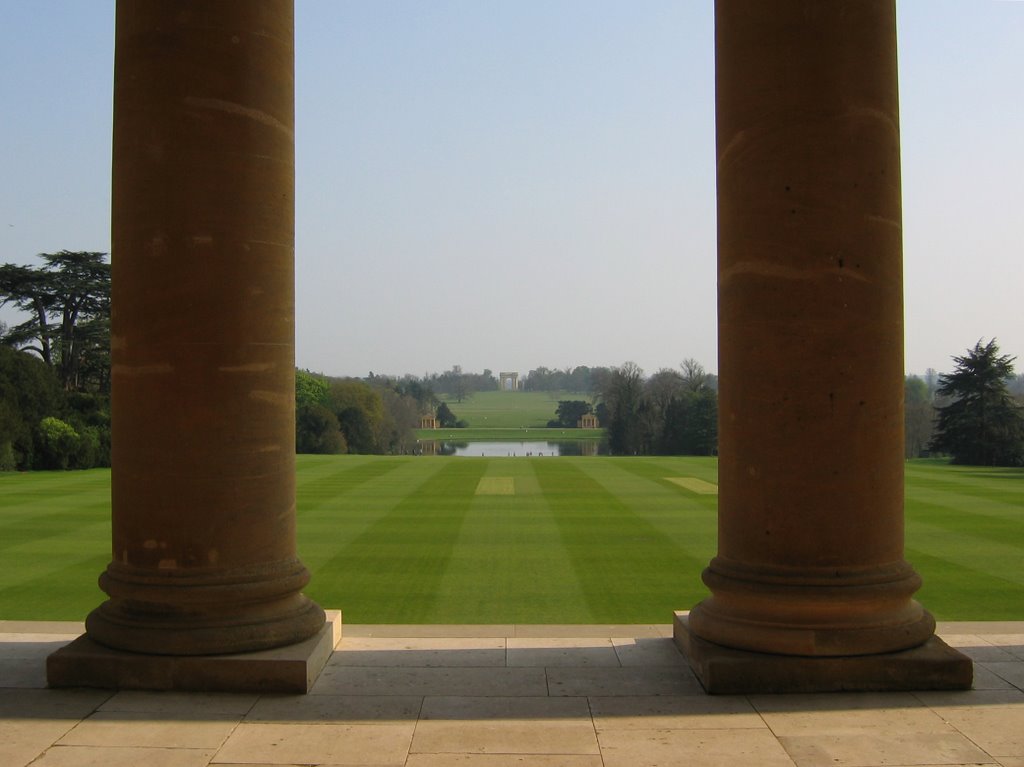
(512, 449)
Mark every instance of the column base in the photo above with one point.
(725, 671)
(289, 669)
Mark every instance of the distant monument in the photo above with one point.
(428, 422)
(508, 381)
(587, 421)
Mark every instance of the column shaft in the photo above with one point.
(810, 559)
(204, 551)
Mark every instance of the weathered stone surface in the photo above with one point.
(723, 670)
(810, 300)
(202, 335)
(294, 668)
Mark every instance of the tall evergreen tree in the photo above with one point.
(981, 426)
(68, 303)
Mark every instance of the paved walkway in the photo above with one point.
(497, 696)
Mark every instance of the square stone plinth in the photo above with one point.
(723, 670)
(290, 669)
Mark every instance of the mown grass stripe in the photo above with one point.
(694, 485)
(548, 550)
(966, 505)
(628, 569)
(54, 542)
(982, 553)
(952, 525)
(690, 521)
(336, 510)
(508, 565)
(953, 591)
(496, 486)
(33, 595)
(390, 572)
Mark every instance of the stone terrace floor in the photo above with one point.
(496, 696)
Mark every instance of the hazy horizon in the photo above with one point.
(533, 184)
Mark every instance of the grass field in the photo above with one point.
(477, 540)
(510, 409)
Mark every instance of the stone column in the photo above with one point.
(204, 556)
(810, 553)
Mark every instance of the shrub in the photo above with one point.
(58, 444)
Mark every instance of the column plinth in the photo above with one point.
(259, 608)
(810, 303)
(812, 613)
(202, 333)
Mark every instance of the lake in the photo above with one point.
(512, 448)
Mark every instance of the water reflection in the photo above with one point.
(512, 449)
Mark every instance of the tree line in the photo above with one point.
(459, 385)
(377, 414)
(55, 365)
(55, 391)
(974, 415)
(673, 412)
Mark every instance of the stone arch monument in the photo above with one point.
(508, 381)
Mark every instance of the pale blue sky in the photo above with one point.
(510, 184)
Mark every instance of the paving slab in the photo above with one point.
(416, 630)
(998, 729)
(344, 709)
(503, 760)
(940, 699)
(346, 680)
(942, 628)
(1010, 671)
(23, 740)
(321, 744)
(420, 651)
(175, 705)
(648, 651)
(144, 730)
(691, 748)
(641, 680)
(93, 756)
(30, 644)
(26, 673)
(675, 712)
(986, 679)
(41, 703)
(842, 701)
(882, 746)
(463, 708)
(70, 629)
(979, 648)
(458, 696)
(597, 630)
(541, 725)
(562, 651)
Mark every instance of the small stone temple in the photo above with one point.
(508, 381)
(809, 590)
(429, 422)
(588, 421)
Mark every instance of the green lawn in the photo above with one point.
(601, 540)
(510, 409)
(965, 535)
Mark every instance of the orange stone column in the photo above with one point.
(204, 551)
(810, 553)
